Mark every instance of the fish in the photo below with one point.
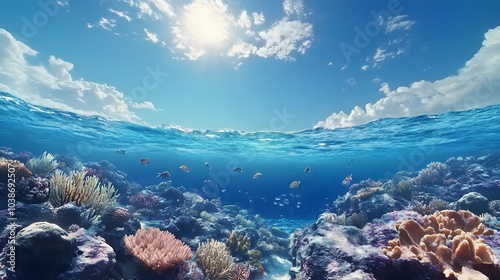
(184, 168)
(208, 165)
(164, 174)
(295, 184)
(238, 169)
(347, 180)
(121, 151)
(144, 161)
(257, 175)
(307, 169)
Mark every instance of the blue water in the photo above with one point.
(376, 150)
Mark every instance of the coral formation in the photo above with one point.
(33, 189)
(43, 164)
(115, 217)
(237, 243)
(156, 249)
(83, 191)
(430, 243)
(215, 261)
(19, 169)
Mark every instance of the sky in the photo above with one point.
(251, 65)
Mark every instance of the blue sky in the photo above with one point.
(251, 65)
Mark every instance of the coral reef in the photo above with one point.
(83, 191)
(42, 165)
(33, 189)
(156, 249)
(215, 261)
(429, 243)
(115, 217)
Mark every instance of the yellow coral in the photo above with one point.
(215, 261)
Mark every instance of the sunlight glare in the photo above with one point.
(206, 24)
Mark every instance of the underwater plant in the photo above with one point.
(158, 250)
(82, 190)
(43, 164)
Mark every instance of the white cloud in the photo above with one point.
(365, 67)
(164, 7)
(399, 22)
(475, 85)
(143, 105)
(343, 67)
(153, 37)
(351, 81)
(242, 50)
(244, 20)
(258, 19)
(382, 55)
(107, 24)
(384, 88)
(282, 39)
(50, 84)
(123, 15)
(330, 63)
(293, 7)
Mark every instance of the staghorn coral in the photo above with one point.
(8, 166)
(431, 242)
(158, 250)
(43, 164)
(83, 191)
(215, 261)
(237, 243)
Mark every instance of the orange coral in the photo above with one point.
(18, 167)
(158, 250)
(428, 243)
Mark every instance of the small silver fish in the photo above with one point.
(238, 169)
(347, 180)
(184, 168)
(257, 175)
(294, 184)
(144, 161)
(164, 174)
(207, 165)
(307, 169)
(121, 151)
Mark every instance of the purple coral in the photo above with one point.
(141, 201)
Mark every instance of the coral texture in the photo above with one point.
(216, 262)
(158, 250)
(83, 191)
(431, 242)
(43, 164)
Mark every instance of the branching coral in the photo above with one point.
(43, 164)
(431, 242)
(83, 191)
(158, 250)
(238, 243)
(215, 261)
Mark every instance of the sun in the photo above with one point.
(206, 24)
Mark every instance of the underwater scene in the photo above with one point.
(249, 140)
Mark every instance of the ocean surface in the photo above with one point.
(376, 150)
